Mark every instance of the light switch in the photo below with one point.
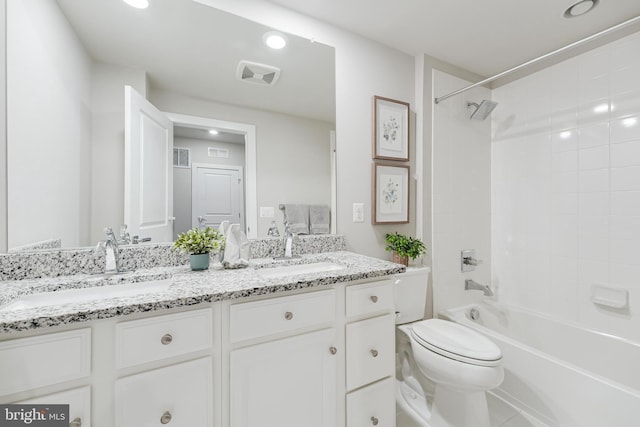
(358, 212)
(267, 212)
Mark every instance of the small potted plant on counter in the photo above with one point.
(199, 243)
(404, 247)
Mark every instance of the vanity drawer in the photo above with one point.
(79, 401)
(374, 405)
(160, 337)
(29, 363)
(257, 319)
(370, 350)
(178, 395)
(369, 298)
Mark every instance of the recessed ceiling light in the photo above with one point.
(213, 132)
(138, 4)
(275, 40)
(580, 8)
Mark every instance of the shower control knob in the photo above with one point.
(288, 315)
(374, 421)
(374, 352)
(374, 298)
(166, 418)
(166, 339)
(76, 422)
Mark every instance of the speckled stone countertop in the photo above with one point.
(185, 288)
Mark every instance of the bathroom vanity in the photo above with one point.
(310, 342)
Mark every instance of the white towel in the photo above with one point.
(319, 219)
(298, 218)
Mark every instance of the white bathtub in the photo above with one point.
(565, 375)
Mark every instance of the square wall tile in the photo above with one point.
(624, 251)
(626, 104)
(625, 129)
(564, 182)
(594, 204)
(594, 225)
(593, 111)
(625, 179)
(593, 158)
(625, 154)
(593, 180)
(564, 161)
(625, 203)
(566, 140)
(625, 227)
(593, 135)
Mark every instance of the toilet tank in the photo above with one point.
(411, 294)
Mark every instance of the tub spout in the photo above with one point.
(471, 284)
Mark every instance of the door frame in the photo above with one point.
(250, 161)
(194, 168)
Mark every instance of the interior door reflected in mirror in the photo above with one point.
(68, 62)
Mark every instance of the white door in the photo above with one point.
(291, 382)
(148, 173)
(217, 195)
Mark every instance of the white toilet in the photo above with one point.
(443, 368)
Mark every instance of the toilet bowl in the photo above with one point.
(444, 370)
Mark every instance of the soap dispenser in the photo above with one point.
(273, 230)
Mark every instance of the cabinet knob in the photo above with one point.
(333, 350)
(374, 352)
(165, 418)
(374, 298)
(76, 422)
(374, 421)
(288, 315)
(166, 339)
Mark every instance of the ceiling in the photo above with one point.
(193, 49)
(482, 36)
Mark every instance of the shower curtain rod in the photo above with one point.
(540, 58)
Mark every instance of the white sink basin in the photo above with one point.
(295, 270)
(81, 295)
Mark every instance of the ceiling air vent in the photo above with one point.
(261, 74)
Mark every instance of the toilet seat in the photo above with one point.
(456, 342)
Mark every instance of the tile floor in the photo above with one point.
(502, 415)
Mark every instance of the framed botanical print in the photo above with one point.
(390, 194)
(390, 129)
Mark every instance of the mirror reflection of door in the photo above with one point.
(216, 195)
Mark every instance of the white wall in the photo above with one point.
(48, 77)
(461, 192)
(293, 161)
(363, 69)
(182, 176)
(566, 187)
(107, 144)
(3, 129)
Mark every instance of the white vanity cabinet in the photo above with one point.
(288, 381)
(370, 354)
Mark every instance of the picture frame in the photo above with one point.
(390, 194)
(390, 129)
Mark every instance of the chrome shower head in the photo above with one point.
(483, 110)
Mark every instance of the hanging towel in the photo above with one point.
(298, 218)
(319, 219)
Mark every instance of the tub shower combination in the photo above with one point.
(561, 373)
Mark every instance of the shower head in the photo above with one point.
(483, 110)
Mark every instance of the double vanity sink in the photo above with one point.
(29, 304)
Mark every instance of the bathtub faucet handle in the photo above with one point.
(471, 261)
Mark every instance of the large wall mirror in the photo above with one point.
(68, 62)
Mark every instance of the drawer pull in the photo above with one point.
(374, 299)
(166, 418)
(76, 422)
(374, 352)
(333, 350)
(288, 315)
(166, 339)
(374, 421)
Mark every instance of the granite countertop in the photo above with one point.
(185, 288)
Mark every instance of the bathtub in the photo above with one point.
(564, 375)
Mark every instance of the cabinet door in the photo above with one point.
(179, 395)
(286, 383)
(79, 401)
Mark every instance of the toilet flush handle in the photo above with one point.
(374, 421)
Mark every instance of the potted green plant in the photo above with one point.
(199, 243)
(404, 247)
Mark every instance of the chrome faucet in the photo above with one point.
(288, 240)
(473, 285)
(110, 246)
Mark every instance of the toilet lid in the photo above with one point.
(457, 342)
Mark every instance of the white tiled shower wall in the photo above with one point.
(461, 192)
(565, 183)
